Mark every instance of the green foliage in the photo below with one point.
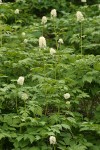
(32, 112)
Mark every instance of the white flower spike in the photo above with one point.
(53, 13)
(61, 41)
(24, 96)
(52, 51)
(68, 103)
(17, 11)
(42, 42)
(0, 1)
(52, 140)
(67, 96)
(20, 80)
(83, 1)
(79, 16)
(23, 34)
(44, 20)
(25, 41)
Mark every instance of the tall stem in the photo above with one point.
(81, 41)
(54, 147)
(1, 38)
(55, 68)
(54, 22)
(16, 104)
(42, 29)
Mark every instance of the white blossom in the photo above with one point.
(68, 102)
(83, 1)
(44, 19)
(52, 140)
(25, 41)
(67, 96)
(24, 96)
(23, 34)
(53, 13)
(79, 16)
(60, 41)
(20, 80)
(17, 11)
(42, 42)
(0, 1)
(99, 6)
(52, 51)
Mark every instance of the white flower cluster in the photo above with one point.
(99, 6)
(42, 42)
(53, 13)
(24, 96)
(17, 11)
(0, 1)
(20, 80)
(25, 41)
(67, 96)
(60, 41)
(79, 16)
(23, 34)
(68, 103)
(52, 140)
(52, 51)
(44, 20)
(83, 1)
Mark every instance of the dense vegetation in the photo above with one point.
(49, 75)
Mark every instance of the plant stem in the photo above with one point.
(1, 38)
(16, 104)
(42, 30)
(54, 22)
(55, 68)
(81, 41)
(54, 147)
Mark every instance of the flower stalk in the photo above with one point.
(81, 46)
